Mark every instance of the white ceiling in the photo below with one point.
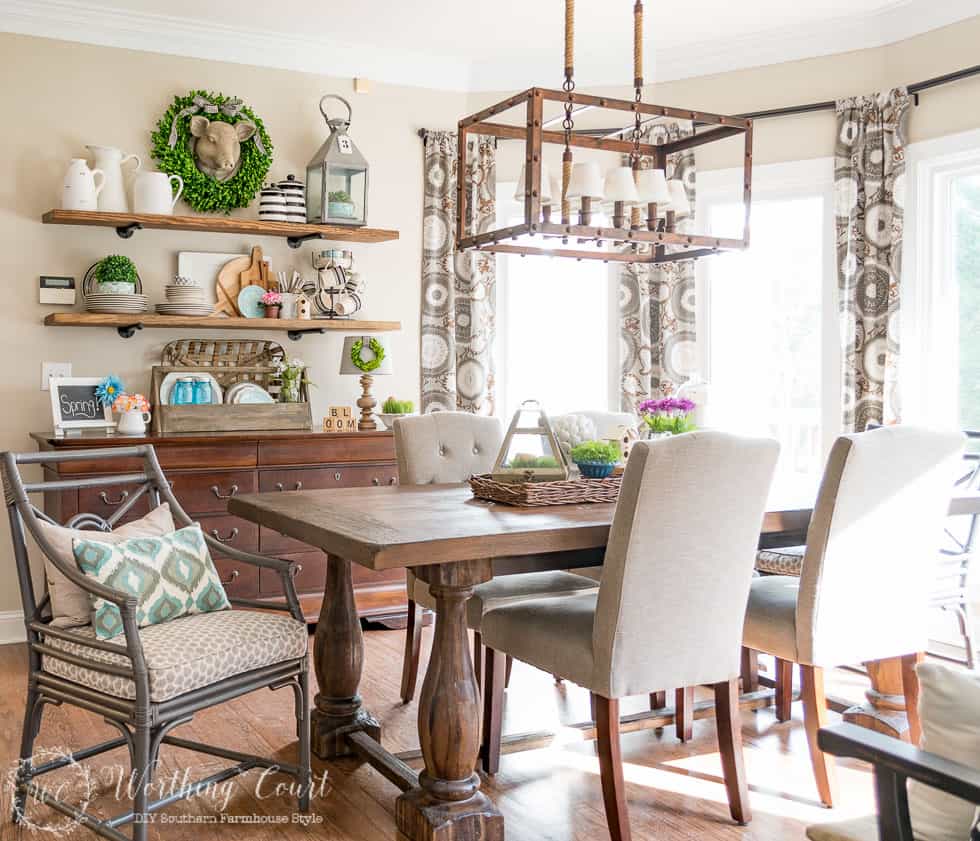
(486, 44)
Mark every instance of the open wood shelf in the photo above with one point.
(295, 233)
(127, 325)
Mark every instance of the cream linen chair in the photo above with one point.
(689, 512)
(864, 590)
(449, 447)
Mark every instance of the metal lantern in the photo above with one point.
(337, 177)
(530, 452)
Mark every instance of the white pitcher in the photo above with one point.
(152, 193)
(80, 191)
(110, 160)
(133, 422)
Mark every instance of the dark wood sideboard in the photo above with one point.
(206, 470)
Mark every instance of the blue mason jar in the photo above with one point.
(202, 392)
(183, 392)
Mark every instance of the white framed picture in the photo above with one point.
(75, 404)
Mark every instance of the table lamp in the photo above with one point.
(366, 356)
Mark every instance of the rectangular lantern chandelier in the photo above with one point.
(645, 206)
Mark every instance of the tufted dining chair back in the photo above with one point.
(445, 447)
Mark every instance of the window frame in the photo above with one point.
(772, 182)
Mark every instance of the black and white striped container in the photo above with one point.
(294, 191)
(272, 205)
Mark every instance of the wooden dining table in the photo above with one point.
(453, 542)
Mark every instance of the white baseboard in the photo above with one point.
(11, 627)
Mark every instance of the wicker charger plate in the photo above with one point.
(536, 494)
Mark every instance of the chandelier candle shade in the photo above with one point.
(641, 186)
(368, 357)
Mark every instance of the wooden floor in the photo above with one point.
(675, 791)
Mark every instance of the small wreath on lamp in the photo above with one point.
(367, 365)
(173, 148)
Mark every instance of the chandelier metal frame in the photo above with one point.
(654, 240)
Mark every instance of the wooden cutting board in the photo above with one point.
(228, 285)
(255, 274)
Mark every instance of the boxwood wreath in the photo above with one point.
(367, 365)
(172, 149)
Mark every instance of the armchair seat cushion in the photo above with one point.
(553, 634)
(770, 618)
(188, 653)
(507, 589)
(784, 561)
(858, 829)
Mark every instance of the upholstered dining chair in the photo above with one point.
(446, 448)
(679, 518)
(150, 679)
(864, 585)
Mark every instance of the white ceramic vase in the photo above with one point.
(133, 423)
(80, 190)
(153, 193)
(110, 160)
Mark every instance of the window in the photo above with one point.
(556, 340)
(767, 322)
(941, 299)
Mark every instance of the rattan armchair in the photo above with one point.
(143, 719)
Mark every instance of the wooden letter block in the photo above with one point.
(339, 419)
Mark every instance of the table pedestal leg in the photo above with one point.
(885, 711)
(338, 656)
(448, 805)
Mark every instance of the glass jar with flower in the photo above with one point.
(134, 414)
(293, 376)
(667, 416)
(272, 304)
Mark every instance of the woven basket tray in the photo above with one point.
(535, 494)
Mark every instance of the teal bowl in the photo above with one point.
(595, 469)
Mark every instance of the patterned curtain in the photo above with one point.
(658, 350)
(458, 290)
(869, 174)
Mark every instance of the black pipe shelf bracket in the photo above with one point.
(296, 335)
(127, 331)
(296, 242)
(126, 231)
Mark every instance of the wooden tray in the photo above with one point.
(537, 494)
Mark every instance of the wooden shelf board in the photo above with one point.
(125, 223)
(151, 320)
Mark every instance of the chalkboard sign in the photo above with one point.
(74, 404)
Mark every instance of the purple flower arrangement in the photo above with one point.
(669, 414)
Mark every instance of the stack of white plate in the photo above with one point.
(183, 299)
(246, 392)
(118, 303)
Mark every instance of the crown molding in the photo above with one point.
(86, 22)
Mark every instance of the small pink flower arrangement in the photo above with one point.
(670, 414)
(271, 299)
(131, 403)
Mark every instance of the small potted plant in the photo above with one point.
(116, 273)
(596, 459)
(393, 409)
(272, 304)
(668, 416)
(339, 204)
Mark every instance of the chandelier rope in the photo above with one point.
(568, 123)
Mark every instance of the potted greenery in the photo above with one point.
(596, 459)
(116, 273)
(668, 416)
(271, 303)
(339, 204)
(393, 409)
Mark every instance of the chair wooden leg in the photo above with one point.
(750, 670)
(815, 717)
(684, 712)
(509, 668)
(784, 689)
(493, 706)
(658, 700)
(611, 767)
(32, 724)
(910, 688)
(730, 747)
(413, 648)
(142, 779)
(478, 658)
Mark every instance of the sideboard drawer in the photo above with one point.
(231, 531)
(208, 493)
(327, 449)
(191, 456)
(240, 580)
(329, 476)
(310, 573)
(105, 501)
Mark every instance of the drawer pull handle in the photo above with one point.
(123, 496)
(297, 487)
(393, 480)
(296, 570)
(234, 574)
(231, 492)
(337, 476)
(375, 481)
(231, 535)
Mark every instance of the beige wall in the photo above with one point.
(58, 96)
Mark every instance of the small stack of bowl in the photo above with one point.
(185, 297)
